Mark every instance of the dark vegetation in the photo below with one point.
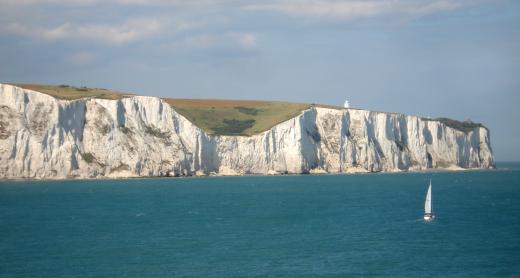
(157, 132)
(88, 157)
(234, 126)
(125, 130)
(248, 110)
(120, 167)
(465, 126)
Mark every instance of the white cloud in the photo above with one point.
(117, 2)
(116, 34)
(172, 2)
(246, 40)
(45, 2)
(80, 58)
(334, 9)
(81, 27)
(129, 31)
(317, 9)
(230, 40)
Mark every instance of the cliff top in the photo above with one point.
(215, 116)
(218, 116)
(68, 92)
(465, 126)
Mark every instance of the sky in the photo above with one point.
(436, 58)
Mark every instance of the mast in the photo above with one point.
(428, 201)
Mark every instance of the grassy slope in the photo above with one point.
(216, 116)
(225, 117)
(69, 92)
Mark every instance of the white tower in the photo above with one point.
(346, 105)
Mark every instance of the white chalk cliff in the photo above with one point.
(44, 137)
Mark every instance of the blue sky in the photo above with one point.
(452, 58)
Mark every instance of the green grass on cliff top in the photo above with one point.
(236, 117)
(215, 116)
(70, 92)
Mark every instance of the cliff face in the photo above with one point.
(43, 137)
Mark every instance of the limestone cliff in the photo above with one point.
(43, 137)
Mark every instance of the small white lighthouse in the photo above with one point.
(346, 105)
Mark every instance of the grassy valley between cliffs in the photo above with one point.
(214, 116)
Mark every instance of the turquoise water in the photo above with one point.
(288, 226)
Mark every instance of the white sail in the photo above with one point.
(428, 202)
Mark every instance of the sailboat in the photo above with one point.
(428, 215)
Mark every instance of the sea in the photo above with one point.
(357, 225)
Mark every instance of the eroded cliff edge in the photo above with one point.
(43, 137)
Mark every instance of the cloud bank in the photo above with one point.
(115, 33)
(346, 10)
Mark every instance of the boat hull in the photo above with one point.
(428, 217)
